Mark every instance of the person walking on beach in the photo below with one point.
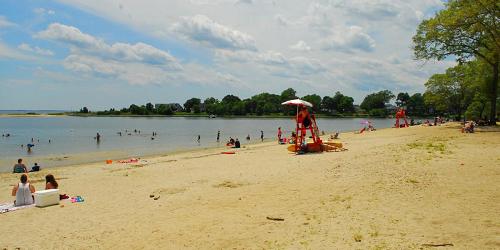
(218, 135)
(261, 135)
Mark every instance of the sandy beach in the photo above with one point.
(412, 188)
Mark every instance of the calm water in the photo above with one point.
(74, 135)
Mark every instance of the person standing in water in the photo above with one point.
(261, 135)
(98, 137)
(279, 134)
(218, 135)
(199, 138)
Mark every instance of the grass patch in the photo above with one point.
(414, 145)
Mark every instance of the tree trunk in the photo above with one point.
(494, 94)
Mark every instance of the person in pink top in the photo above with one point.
(279, 134)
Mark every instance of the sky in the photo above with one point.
(100, 54)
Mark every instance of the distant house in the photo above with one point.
(357, 109)
(176, 107)
(391, 109)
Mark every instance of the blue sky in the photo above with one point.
(102, 54)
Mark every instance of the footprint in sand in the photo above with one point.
(157, 193)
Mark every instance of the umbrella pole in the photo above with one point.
(296, 129)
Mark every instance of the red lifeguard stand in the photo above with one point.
(301, 132)
(301, 127)
(401, 114)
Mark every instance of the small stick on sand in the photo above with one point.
(437, 245)
(275, 218)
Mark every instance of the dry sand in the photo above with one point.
(393, 189)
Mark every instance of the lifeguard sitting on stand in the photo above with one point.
(306, 121)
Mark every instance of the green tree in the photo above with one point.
(315, 100)
(377, 100)
(230, 99)
(150, 107)
(328, 105)
(84, 110)
(416, 105)
(402, 99)
(288, 94)
(192, 105)
(211, 105)
(164, 109)
(453, 91)
(266, 103)
(343, 103)
(465, 29)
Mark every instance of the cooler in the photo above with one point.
(47, 197)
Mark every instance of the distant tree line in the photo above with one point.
(375, 104)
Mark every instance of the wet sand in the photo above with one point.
(411, 188)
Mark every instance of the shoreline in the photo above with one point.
(120, 155)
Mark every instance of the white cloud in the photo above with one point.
(36, 49)
(274, 62)
(300, 46)
(82, 43)
(4, 23)
(72, 36)
(136, 64)
(202, 29)
(6, 52)
(43, 11)
(352, 39)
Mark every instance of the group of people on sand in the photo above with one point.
(24, 190)
(469, 127)
(233, 143)
(21, 168)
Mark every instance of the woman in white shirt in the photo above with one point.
(23, 192)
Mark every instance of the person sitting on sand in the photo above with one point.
(335, 136)
(237, 143)
(20, 167)
(50, 182)
(35, 168)
(23, 192)
(231, 141)
(293, 138)
(371, 127)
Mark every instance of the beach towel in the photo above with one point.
(9, 207)
(131, 160)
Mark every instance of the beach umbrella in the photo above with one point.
(297, 102)
(365, 122)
